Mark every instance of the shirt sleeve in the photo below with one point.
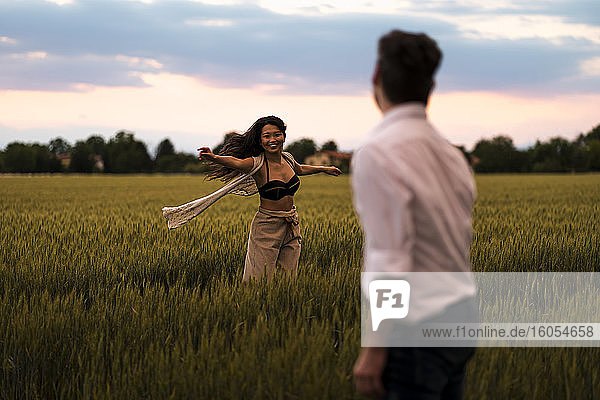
(382, 198)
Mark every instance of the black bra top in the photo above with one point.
(277, 190)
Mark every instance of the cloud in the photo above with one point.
(139, 63)
(591, 67)
(580, 11)
(209, 22)
(6, 39)
(38, 70)
(515, 27)
(32, 55)
(527, 67)
(60, 2)
(329, 50)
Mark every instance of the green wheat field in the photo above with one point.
(99, 300)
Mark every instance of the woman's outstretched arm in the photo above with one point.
(304, 169)
(241, 164)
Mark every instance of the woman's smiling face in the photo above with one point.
(271, 139)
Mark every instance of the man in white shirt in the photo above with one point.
(413, 192)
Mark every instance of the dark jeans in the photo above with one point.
(426, 373)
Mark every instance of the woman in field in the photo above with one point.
(275, 232)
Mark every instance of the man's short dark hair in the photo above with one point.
(407, 63)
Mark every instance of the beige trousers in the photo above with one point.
(274, 242)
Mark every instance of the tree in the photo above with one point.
(59, 146)
(594, 134)
(329, 145)
(498, 155)
(302, 148)
(164, 148)
(465, 153)
(28, 158)
(19, 157)
(555, 155)
(176, 162)
(98, 147)
(126, 155)
(579, 155)
(593, 148)
(82, 158)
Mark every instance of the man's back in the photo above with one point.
(413, 192)
(428, 192)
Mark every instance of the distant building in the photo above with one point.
(98, 162)
(65, 160)
(329, 157)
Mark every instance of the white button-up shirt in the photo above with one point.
(414, 193)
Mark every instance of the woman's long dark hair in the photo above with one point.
(243, 146)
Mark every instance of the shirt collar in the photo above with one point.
(406, 110)
(409, 110)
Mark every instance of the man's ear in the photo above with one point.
(376, 75)
(429, 91)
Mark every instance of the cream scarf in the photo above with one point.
(243, 185)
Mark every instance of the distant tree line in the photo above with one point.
(557, 154)
(123, 153)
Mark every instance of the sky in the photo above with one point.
(192, 71)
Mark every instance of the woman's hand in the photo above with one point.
(206, 154)
(332, 171)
